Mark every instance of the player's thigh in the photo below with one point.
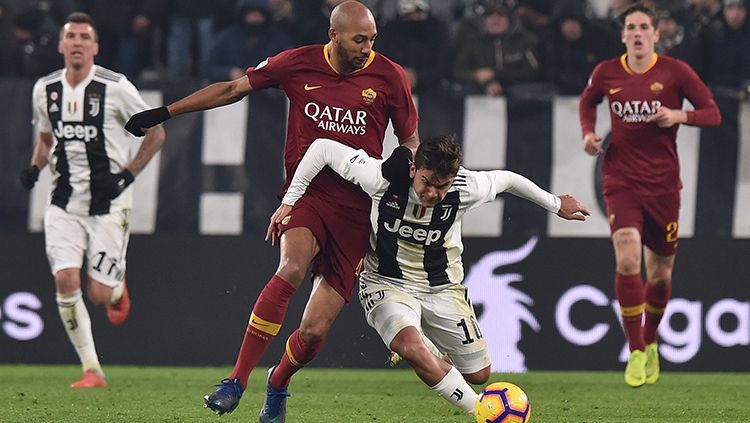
(65, 240)
(625, 212)
(448, 320)
(661, 227)
(109, 235)
(388, 309)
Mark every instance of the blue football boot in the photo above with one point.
(225, 398)
(274, 410)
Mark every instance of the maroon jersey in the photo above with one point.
(642, 155)
(352, 109)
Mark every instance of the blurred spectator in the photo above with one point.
(36, 36)
(25, 41)
(125, 29)
(283, 15)
(313, 28)
(191, 25)
(705, 17)
(504, 53)
(447, 11)
(418, 42)
(535, 14)
(677, 42)
(573, 51)
(611, 25)
(252, 39)
(730, 65)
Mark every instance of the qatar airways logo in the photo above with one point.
(634, 111)
(337, 119)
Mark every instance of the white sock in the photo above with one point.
(117, 293)
(77, 323)
(456, 391)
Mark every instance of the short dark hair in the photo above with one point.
(81, 18)
(440, 155)
(639, 7)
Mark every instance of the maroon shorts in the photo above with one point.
(342, 234)
(655, 217)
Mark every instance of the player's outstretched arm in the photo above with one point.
(321, 153)
(215, 95)
(565, 206)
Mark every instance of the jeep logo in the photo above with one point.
(75, 131)
(419, 235)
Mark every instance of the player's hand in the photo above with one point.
(29, 176)
(667, 118)
(117, 182)
(273, 227)
(592, 144)
(146, 119)
(571, 209)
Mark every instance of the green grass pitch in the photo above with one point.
(171, 394)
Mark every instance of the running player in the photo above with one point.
(79, 112)
(642, 174)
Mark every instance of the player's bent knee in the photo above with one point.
(292, 271)
(67, 280)
(478, 378)
(312, 335)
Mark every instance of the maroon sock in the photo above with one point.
(629, 292)
(265, 322)
(657, 298)
(298, 353)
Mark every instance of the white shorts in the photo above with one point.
(445, 317)
(103, 239)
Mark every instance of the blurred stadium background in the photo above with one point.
(542, 287)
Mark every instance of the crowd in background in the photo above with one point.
(470, 46)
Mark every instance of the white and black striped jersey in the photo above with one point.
(87, 123)
(412, 246)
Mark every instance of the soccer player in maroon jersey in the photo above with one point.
(344, 91)
(641, 174)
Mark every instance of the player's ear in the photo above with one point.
(332, 34)
(412, 170)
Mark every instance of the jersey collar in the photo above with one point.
(327, 47)
(83, 83)
(624, 63)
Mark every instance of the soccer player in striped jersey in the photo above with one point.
(410, 285)
(79, 112)
(641, 174)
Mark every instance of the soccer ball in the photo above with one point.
(502, 402)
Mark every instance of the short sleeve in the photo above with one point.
(271, 72)
(130, 99)
(40, 118)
